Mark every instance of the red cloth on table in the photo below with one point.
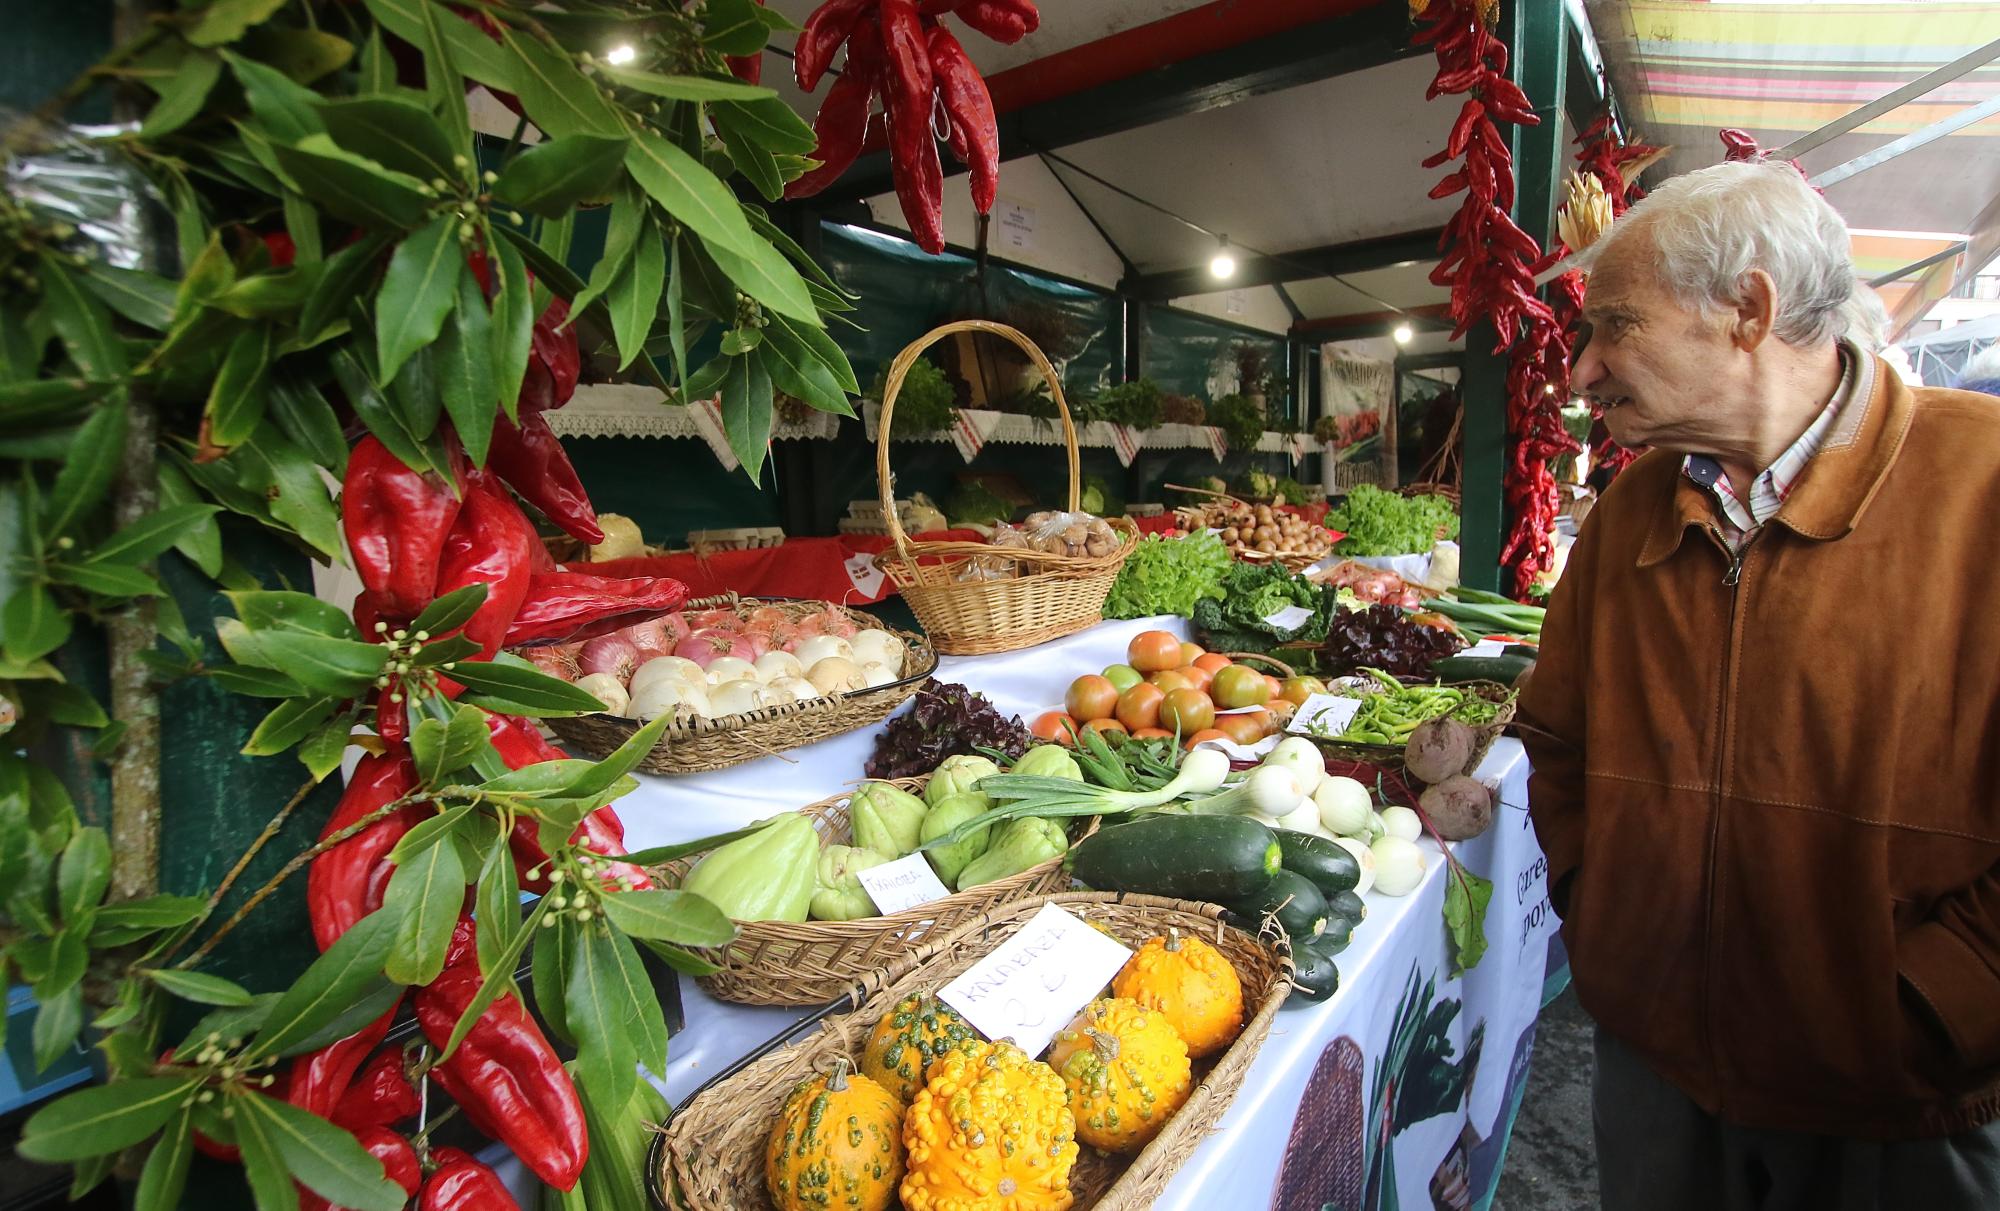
(841, 568)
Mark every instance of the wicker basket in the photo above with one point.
(699, 745)
(813, 962)
(1486, 734)
(1055, 595)
(712, 1153)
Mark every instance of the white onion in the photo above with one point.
(1302, 819)
(670, 697)
(773, 667)
(878, 647)
(876, 674)
(731, 668)
(606, 689)
(1402, 822)
(1364, 857)
(835, 675)
(667, 668)
(1399, 866)
(1344, 806)
(736, 697)
(774, 696)
(1303, 758)
(798, 688)
(820, 647)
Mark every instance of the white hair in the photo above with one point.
(1711, 227)
(1864, 319)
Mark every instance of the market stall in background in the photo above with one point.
(936, 568)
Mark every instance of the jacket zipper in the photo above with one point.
(1732, 579)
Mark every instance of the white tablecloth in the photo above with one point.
(1399, 947)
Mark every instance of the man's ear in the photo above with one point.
(1757, 311)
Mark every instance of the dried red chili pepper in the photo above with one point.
(346, 883)
(395, 520)
(907, 88)
(380, 1095)
(399, 1165)
(969, 107)
(554, 345)
(824, 31)
(532, 461)
(504, 1075)
(564, 607)
(1004, 21)
(520, 745)
(491, 543)
(747, 68)
(841, 126)
(460, 1183)
(319, 1080)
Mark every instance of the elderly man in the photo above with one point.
(1767, 774)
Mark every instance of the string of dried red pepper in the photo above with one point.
(1602, 154)
(900, 53)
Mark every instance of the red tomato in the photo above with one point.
(1277, 687)
(1152, 651)
(1198, 678)
(1054, 725)
(1214, 662)
(1243, 729)
(1296, 690)
(1139, 707)
(1191, 652)
(1150, 733)
(1238, 686)
(1106, 726)
(1187, 711)
(1169, 680)
(1205, 734)
(1091, 697)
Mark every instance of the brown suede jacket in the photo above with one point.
(1772, 782)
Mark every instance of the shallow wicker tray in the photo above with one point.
(712, 1153)
(700, 745)
(813, 962)
(1055, 595)
(1486, 734)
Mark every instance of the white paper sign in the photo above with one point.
(1035, 982)
(1016, 224)
(1291, 618)
(904, 883)
(1486, 647)
(1232, 302)
(863, 574)
(1241, 752)
(1324, 715)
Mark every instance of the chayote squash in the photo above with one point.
(1020, 845)
(960, 775)
(1049, 761)
(839, 895)
(885, 819)
(948, 813)
(766, 876)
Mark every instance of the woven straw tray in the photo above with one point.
(711, 1153)
(699, 745)
(813, 962)
(1492, 691)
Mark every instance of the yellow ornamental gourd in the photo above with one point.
(1126, 1070)
(838, 1143)
(909, 1041)
(990, 1131)
(1192, 985)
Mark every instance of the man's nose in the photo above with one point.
(1588, 370)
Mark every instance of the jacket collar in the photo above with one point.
(1835, 486)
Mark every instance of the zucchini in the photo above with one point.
(1220, 859)
(1505, 668)
(1314, 971)
(1338, 933)
(1292, 898)
(1330, 867)
(1346, 904)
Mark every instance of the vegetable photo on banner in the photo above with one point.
(343, 343)
(901, 53)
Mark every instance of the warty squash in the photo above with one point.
(838, 1143)
(991, 1131)
(1192, 985)
(1126, 1071)
(909, 1041)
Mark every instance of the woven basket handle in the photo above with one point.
(899, 369)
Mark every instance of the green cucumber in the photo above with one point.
(1504, 669)
(1338, 933)
(1346, 904)
(1220, 859)
(1314, 971)
(1330, 867)
(1292, 898)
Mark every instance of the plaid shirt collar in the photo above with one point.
(1739, 518)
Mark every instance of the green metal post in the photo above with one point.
(1536, 32)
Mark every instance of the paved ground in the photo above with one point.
(1550, 1162)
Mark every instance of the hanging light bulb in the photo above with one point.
(1404, 334)
(1223, 264)
(619, 56)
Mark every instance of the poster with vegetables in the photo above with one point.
(1357, 423)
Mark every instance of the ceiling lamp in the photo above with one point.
(619, 56)
(1404, 334)
(1222, 265)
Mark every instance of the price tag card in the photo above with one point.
(1486, 647)
(1036, 981)
(905, 883)
(1324, 715)
(1291, 618)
